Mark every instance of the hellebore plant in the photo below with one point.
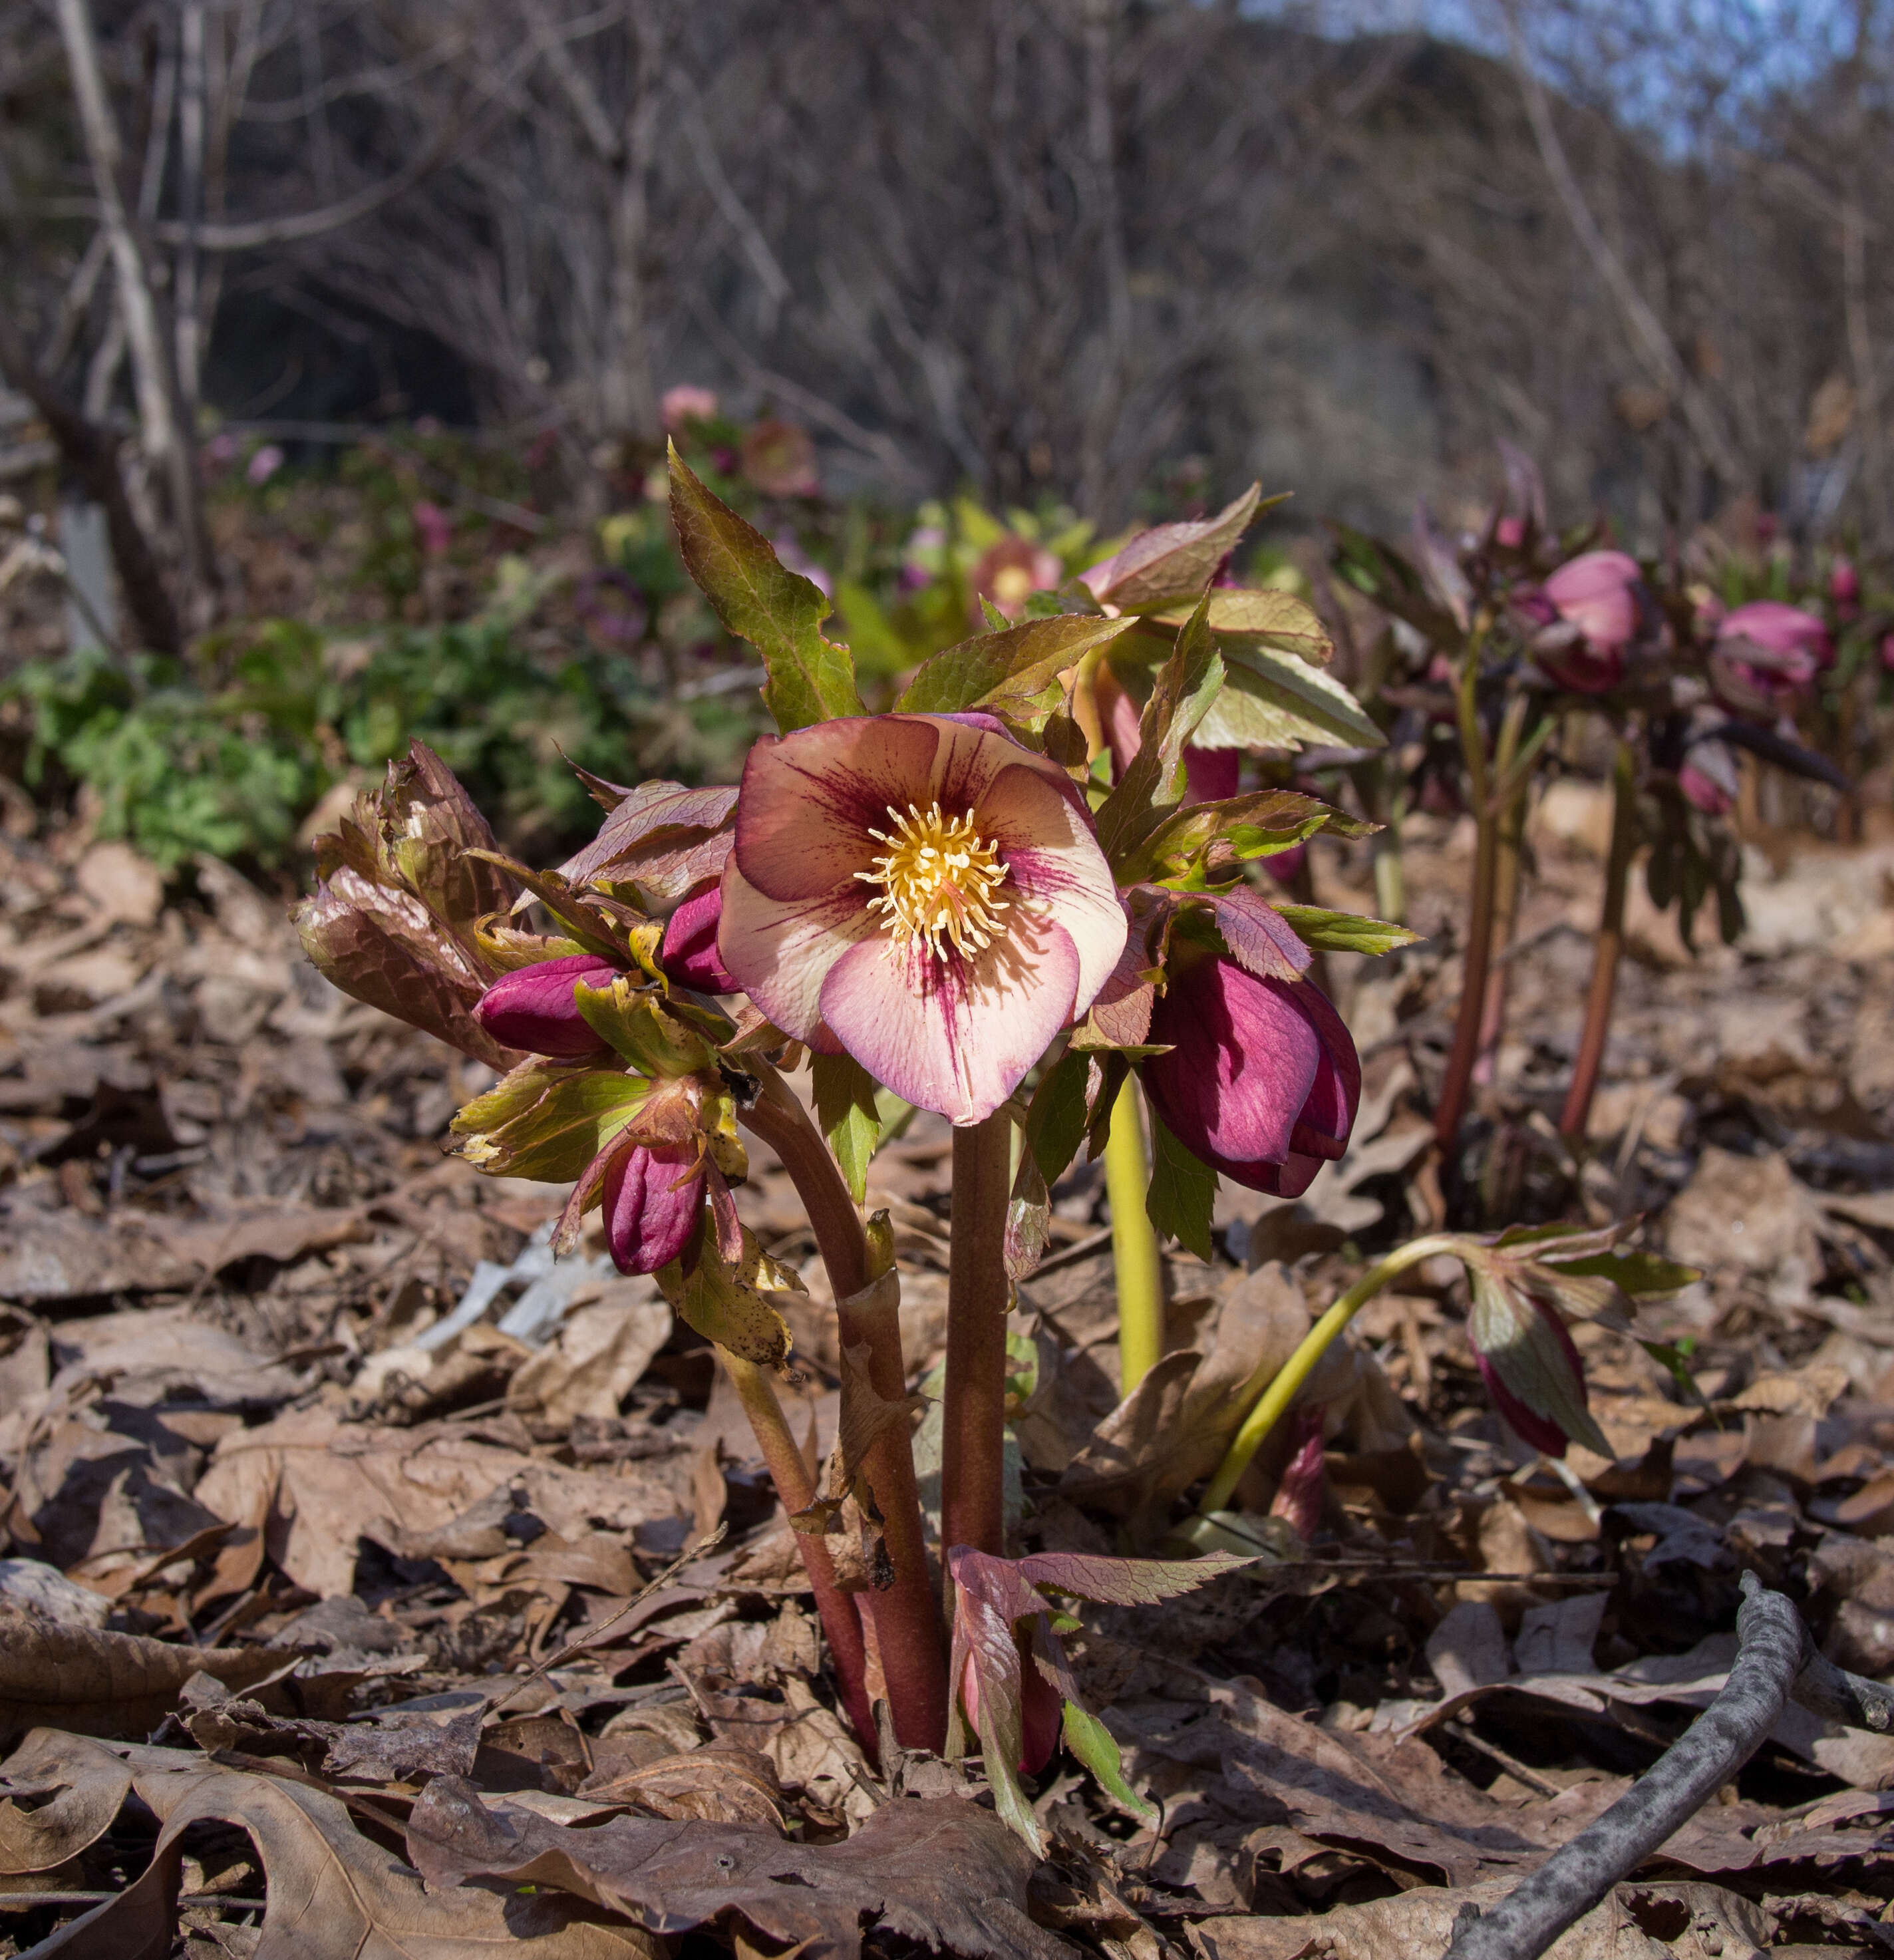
(953, 904)
(1535, 636)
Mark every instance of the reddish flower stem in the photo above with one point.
(1573, 1123)
(907, 1616)
(973, 1439)
(1506, 896)
(840, 1620)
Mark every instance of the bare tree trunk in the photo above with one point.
(628, 396)
(166, 441)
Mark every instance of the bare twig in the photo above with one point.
(1769, 1670)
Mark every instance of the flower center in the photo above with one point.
(938, 881)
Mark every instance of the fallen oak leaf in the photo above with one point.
(942, 1873)
(81, 1786)
(330, 1893)
(93, 1683)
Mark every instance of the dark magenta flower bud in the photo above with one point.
(1299, 1497)
(654, 1196)
(1531, 1369)
(1261, 1080)
(1844, 587)
(690, 954)
(533, 1008)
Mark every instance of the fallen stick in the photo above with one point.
(1775, 1663)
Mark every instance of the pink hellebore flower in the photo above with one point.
(534, 1008)
(654, 1196)
(1767, 651)
(686, 403)
(922, 892)
(434, 527)
(1844, 588)
(1595, 594)
(1262, 1081)
(264, 464)
(688, 954)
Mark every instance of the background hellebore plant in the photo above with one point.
(981, 903)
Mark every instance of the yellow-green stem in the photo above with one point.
(1140, 1271)
(1284, 1390)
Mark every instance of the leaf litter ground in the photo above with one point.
(312, 1455)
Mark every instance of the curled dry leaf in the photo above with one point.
(718, 1783)
(942, 1873)
(61, 1793)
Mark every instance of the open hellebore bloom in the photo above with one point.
(1261, 1080)
(1588, 611)
(1766, 652)
(925, 893)
(535, 1008)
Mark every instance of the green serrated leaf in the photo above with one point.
(1183, 1191)
(845, 1107)
(1256, 826)
(777, 611)
(1345, 932)
(548, 1123)
(1091, 1742)
(730, 1304)
(656, 1043)
(1018, 661)
(1271, 617)
(1186, 685)
(1642, 1275)
(1273, 700)
(1056, 1117)
(1173, 561)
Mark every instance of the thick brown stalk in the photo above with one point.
(973, 1438)
(1573, 1123)
(907, 1615)
(841, 1620)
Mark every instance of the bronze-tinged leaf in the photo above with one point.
(1017, 663)
(664, 838)
(1171, 560)
(1270, 617)
(777, 611)
(942, 1873)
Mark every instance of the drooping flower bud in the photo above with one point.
(534, 1007)
(1298, 1498)
(689, 953)
(1708, 777)
(1530, 1367)
(654, 1196)
(1844, 587)
(1262, 1079)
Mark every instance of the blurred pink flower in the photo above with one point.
(922, 892)
(534, 1008)
(1008, 572)
(1844, 588)
(1589, 610)
(434, 527)
(779, 458)
(1708, 777)
(264, 464)
(1887, 652)
(1261, 1080)
(686, 403)
(1766, 652)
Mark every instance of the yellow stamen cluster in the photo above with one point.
(938, 881)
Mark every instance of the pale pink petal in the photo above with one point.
(971, 756)
(779, 952)
(955, 1035)
(1056, 869)
(809, 800)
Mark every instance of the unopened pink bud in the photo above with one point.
(1298, 1498)
(690, 954)
(654, 1196)
(535, 1007)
